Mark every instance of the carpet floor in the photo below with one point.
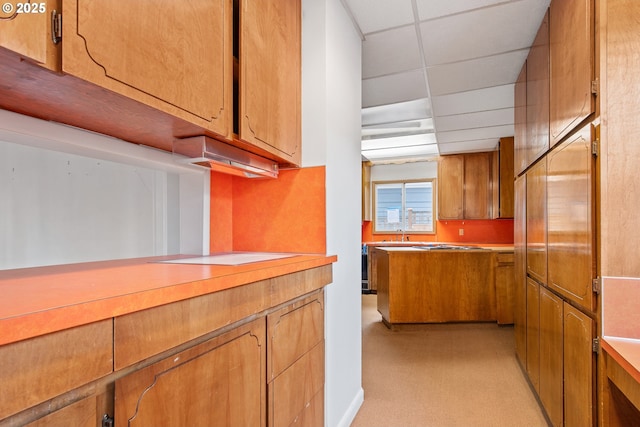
(442, 375)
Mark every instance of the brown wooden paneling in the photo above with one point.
(579, 372)
(533, 333)
(293, 395)
(506, 204)
(551, 351)
(451, 187)
(520, 162)
(131, 51)
(477, 181)
(29, 34)
(79, 414)
(222, 379)
(520, 269)
(537, 221)
(270, 76)
(505, 288)
(293, 331)
(571, 225)
(537, 142)
(571, 44)
(40, 368)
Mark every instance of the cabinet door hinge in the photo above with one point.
(596, 345)
(56, 27)
(596, 284)
(107, 421)
(595, 147)
(595, 86)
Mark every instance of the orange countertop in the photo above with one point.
(41, 300)
(492, 246)
(625, 352)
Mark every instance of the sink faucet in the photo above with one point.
(401, 230)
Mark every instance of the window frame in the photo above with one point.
(403, 182)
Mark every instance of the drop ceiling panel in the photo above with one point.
(469, 146)
(475, 100)
(390, 52)
(394, 88)
(402, 112)
(376, 15)
(479, 73)
(475, 134)
(429, 9)
(480, 33)
(475, 120)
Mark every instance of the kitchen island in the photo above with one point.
(443, 284)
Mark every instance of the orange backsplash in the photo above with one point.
(475, 231)
(287, 214)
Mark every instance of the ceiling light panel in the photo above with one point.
(376, 15)
(404, 111)
(390, 52)
(398, 142)
(411, 152)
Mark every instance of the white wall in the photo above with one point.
(331, 136)
(415, 170)
(69, 196)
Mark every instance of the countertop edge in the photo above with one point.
(620, 352)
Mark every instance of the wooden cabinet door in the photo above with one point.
(520, 267)
(538, 95)
(221, 382)
(28, 33)
(571, 211)
(477, 181)
(520, 123)
(504, 179)
(173, 56)
(451, 187)
(579, 373)
(533, 333)
(82, 413)
(551, 355)
(537, 221)
(571, 44)
(505, 288)
(270, 76)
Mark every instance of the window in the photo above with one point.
(403, 207)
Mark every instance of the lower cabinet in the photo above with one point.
(505, 287)
(219, 382)
(560, 359)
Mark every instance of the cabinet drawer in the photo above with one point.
(296, 397)
(149, 332)
(40, 368)
(293, 331)
(505, 258)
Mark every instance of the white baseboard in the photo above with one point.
(352, 410)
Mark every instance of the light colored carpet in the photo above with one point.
(442, 375)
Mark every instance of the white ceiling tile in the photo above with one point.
(474, 134)
(394, 88)
(476, 74)
(474, 100)
(390, 52)
(429, 9)
(469, 146)
(475, 120)
(481, 32)
(376, 15)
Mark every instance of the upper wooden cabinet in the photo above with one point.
(149, 75)
(572, 52)
(175, 57)
(30, 34)
(270, 78)
(537, 115)
(464, 186)
(520, 123)
(502, 182)
(571, 218)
